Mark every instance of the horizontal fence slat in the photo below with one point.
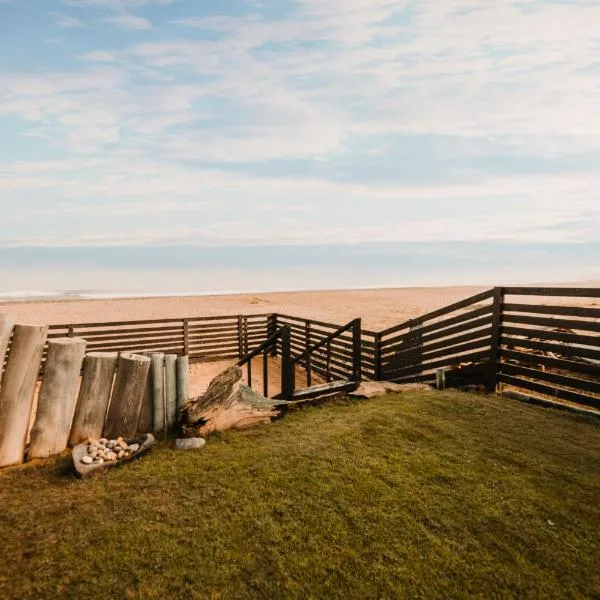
(451, 341)
(446, 362)
(545, 309)
(201, 357)
(419, 357)
(153, 340)
(556, 292)
(558, 336)
(585, 385)
(487, 295)
(116, 339)
(549, 347)
(473, 320)
(576, 325)
(551, 362)
(548, 390)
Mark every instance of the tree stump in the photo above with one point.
(127, 396)
(57, 397)
(18, 389)
(227, 404)
(94, 396)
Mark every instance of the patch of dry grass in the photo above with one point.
(421, 495)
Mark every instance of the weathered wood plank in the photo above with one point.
(127, 396)
(18, 389)
(57, 398)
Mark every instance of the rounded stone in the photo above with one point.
(189, 443)
(134, 447)
(87, 460)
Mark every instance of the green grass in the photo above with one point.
(423, 495)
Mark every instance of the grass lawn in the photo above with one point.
(422, 495)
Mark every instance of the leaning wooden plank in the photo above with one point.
(94, 396)
(18, 389)
(7, 323)
(58, 397)
(127, 396)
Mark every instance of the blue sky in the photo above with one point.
(253, 122)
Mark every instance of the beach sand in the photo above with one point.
(378, 308)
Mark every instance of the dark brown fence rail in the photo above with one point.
(551, 349)
(459, 335)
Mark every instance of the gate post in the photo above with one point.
(271, 329)
(288, 368)
(494, 367)
(377, 357)
(357, 350)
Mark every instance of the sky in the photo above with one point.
(451, 125)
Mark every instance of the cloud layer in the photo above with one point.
(314, 121)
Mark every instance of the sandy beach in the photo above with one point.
(378, 308)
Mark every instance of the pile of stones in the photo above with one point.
(103, 450)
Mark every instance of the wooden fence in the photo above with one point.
(459, 334)
(200, 338)
(521, 337)
(551, 349)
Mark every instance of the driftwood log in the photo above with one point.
(94, 396)
(227, 404)
(57, 397)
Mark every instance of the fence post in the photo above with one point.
(308, 365)
(357, 350)
(494, 369)
(240, 332)
(288, 369)
(377, 356)
(186, 337)
(271, 329)
(417, 343)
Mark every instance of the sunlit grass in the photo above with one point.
(421, 495)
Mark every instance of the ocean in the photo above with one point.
(121, 271)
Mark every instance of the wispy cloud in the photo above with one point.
(129, 21)
(69, 21)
